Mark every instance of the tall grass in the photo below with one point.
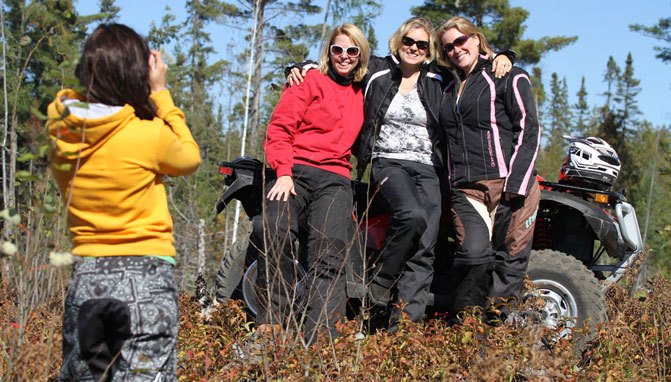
(634, 345)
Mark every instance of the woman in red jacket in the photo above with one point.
(308, 145)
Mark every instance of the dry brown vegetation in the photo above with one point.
(634, 345)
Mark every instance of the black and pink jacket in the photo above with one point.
(492, 128)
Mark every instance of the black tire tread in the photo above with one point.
(574, 275)
(227, 283)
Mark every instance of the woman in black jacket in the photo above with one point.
(493, 134)
(402, 139)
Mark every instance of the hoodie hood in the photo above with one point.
(78, 127)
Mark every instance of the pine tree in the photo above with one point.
(611, 78)
(561, 111)
(609, 128)
(109, 10)
(628, 89)
(661, 31)
(557, 125)
(539, 90)
(653, 157)
(167, 30)
(617, 122)
(627, 112)
(581, 126)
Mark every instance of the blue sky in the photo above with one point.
(602, 28)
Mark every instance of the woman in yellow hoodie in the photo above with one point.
(112, 144)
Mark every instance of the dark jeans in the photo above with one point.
(412, 192)
(323, 208)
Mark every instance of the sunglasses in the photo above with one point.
(421, 45)
(352, 51)
(458, 42)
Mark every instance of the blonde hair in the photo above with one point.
(466, 27)
(359, 39)
(395, 41)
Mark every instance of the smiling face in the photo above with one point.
(413, 55)
(343, 63)
(465, 55)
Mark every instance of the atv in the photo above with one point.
(575, 227)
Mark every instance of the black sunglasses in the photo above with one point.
(458, 42)
(421, 45)
(352, 51)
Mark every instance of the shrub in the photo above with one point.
(221, 345)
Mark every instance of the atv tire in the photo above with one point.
(228, 283)
(572, 296)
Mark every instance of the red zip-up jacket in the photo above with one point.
(315, 124)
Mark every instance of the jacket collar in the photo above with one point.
(337, 78)
(482, 62)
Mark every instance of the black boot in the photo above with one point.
(379, 295)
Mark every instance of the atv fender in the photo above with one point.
(603, 225)
(246, 185)
(240, 189)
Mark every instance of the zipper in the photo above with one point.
(372, 135)
(457, 110)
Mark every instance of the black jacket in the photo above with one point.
(493, 129)
(381, 85)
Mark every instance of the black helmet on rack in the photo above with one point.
(590, 162)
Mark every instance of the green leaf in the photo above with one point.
(26, 157)
(641, 294)
(42, 151)
(49, 208)
(26, 175)
(62, 167)
(38, 114)
(9, 216)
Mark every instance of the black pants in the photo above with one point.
(495, 238)
(412, 192)
(316, 300)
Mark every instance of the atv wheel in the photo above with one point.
(571, 294)
(231, 268)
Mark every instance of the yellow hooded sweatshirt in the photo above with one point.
(109, 166)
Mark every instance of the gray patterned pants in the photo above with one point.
(120, 320)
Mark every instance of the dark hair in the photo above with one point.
(114, 69)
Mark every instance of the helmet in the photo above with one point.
(590, 162)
